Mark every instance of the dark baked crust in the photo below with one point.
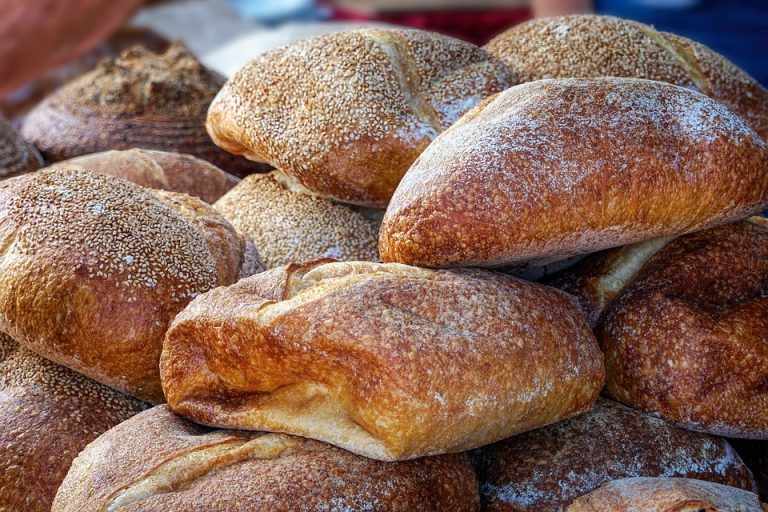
(16, 155)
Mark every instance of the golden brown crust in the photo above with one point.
(388, 361)
(666, 495)
(588, 46)
(289, 226)
(159, 462)
(48, 413)
(161, 170)
(553, 168)
(138, 100)
(346, 114)
(546, 469)
(16, 155)
(686, 340)
(94, 268)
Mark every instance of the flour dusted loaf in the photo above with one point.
(16, 155)
(553, 168)
(589, 46)
(345, 114)
(388, 361)
(93, 269)
(159, 462)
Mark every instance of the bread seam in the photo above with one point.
(687, 61)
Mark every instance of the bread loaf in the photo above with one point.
(388, 361)
(546, 469)
(589, 46)
(94, 268)
(47, 415)
(666, 495)
(16, 155)
(346, 114)
(553, 168)
(160, 170)
(159, 462)
(290, 226)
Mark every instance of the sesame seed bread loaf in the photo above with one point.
(48, 413)
(553, 168)
(159, 462)
(388, 361)
(589, 46)
(546, 469)
(666, 495)
(161, 170)
(16, 155)
(290, 226)
(345, 114)
(94, 268)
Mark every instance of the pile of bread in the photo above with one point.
(177, 338)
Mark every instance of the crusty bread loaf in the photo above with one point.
(138, 100)
(290, 226)
(161, 170)
(546, 469)
(94, 268)
(346, 114)
(388, 361)
(16, 155)
(686, 338)
(589, 46)
(159, 462)
(666, 495)
(553, 168)
(48, 413)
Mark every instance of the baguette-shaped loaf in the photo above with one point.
(553, 168)
(385, 360)
(158, 462)
(346, 113)
(589, 46)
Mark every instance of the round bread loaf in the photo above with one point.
(94, 268)
(48, 413)
(345, 114)
(290, 226)
(160, 170)
(589, 46)
(389, 361)
(546, 469)
(16, 155)
(138, 100)
(554, 168)
(159, 462)
(666, 495)
(686, 338)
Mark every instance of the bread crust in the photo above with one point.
(554, 168)
(17, 156)
(159, 462)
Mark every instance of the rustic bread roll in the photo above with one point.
(16, 155)
(94, 268)
(554, 168)
(47, 415)
(161, 170)
(388, 361)
(546, 469)
(589, 46)
(686, 338)
(290, 226)
(138, 100)
(159, 462)
(346, 114)
(666, 495)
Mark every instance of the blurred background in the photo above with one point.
(44, 43)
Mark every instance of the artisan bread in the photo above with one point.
(589, 46)
(159, 462)
(48, 413)
(546, 469)
(159, 169)
(346, 114)
(666, 495)
(553, 168)
(290, 226)
(94, 268)
(388, 361)
(16, 155)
